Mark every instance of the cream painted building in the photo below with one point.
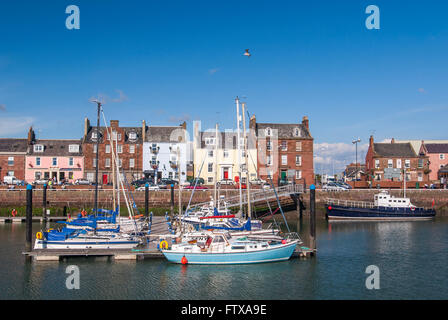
(225, 156)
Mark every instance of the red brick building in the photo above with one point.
(128, 141)
(12, 157)
(386, 157)
(284, 151)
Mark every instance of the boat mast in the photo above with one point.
(246, 164)
(216, 165)
(239, 150)
(98, 103)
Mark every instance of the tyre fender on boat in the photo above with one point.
(163, 244)
(39, 235)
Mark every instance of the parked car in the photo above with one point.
(198, 187)
(333, 186)
(163, 185)
(344, 185)
(82, 182)
(226, 182)
(168, 181)
(196, 181)
(257, 181)
(152, 187)
(10, 180)
(41, 181)
(266, 186)
(142, 182)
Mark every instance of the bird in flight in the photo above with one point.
(247, 53)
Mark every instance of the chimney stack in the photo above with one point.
(371, 141)
(392, 140)
(143, 130)
(31, 136)
(184, 125)
(114, 123)
(86, 126)
(306, 122)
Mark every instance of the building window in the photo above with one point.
(120, 163)
(10, 161)
(420, 163)
(70, 175)
(37, 161)
(131, 163)
(299, 146)
(407, 163)
(131, 148)
(210, 179)
(73, 148)
(107, 148)
(94, 135)
(226, 154)
(210, 153)
(210, 167)
(94, 163)
(284, 145)
(298, 160)
(94, 148)
(120, 148)
(37, 175)
(119, 137)
(70, 161)
(132, 136)
(390, 163)
(284, 159)
(54, 161)
(377, 164)
(209, 141)
(442, 156)
(268, 145)
(107, 163)
(38, 148)
(269, 160)
(296, 132)
(298, 174)
(270, 174)
(399, 163)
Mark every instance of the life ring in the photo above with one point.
(83, 213)
(412, 208)
(39, 235)
(14, 212)
(162, 243)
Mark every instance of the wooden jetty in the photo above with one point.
(34, 219)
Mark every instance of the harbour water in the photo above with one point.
(412, 258)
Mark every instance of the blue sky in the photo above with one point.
(168, 61)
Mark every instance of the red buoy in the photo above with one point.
(184, 260)
(329, 207)
(283, 241)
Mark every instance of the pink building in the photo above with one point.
(54, 159)
(438, 157)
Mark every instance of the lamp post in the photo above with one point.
(355, 142)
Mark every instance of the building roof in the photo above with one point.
(284, 130)
(436, 147)
(58, 148)
(394, 150)
(173, 134)
(416, 144)
(127, 131)
(227, 140)
(13, 145)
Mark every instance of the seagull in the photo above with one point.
(247, 53)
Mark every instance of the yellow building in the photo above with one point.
(224, 155)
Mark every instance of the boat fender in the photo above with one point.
(163, 244)
(184, 260)
(39, 235)
(283, 241)
(14, 212)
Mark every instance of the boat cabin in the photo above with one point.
(384, 199)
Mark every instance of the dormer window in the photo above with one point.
(268, 132)
(296, 132)
(38, 148)
(209, 141)
(132, 136)
(73, 148)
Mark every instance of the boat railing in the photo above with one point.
(350, 203)
(292, 236)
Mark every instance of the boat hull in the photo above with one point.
(277, 253)
(79, 244)
(336, 212)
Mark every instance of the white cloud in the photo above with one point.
(421, 90)
(10, 126)
(329, 156)
(213, 71)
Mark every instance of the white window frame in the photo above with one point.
(131, 148)
(71, 161)
(37, 161)
(38, 148)
(298, 174)
(10, 161)
(298, 145)
(407, 163)
(73, 148)
(53, 162)
(284, 159)
(120, 148)
(298, 163)
(107, 164)
(131, 163)
(107, 148)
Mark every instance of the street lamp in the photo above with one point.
(355, 142)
